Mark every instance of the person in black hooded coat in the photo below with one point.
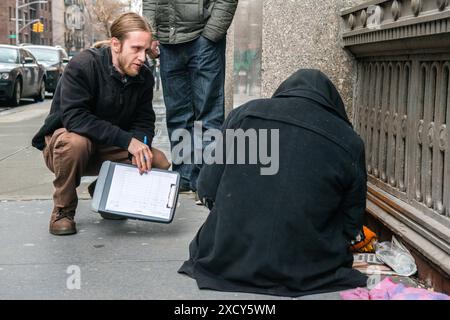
(286, 234)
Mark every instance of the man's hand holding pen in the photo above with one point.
(142, 155)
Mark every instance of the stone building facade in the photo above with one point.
(305, 34)
(292, 34)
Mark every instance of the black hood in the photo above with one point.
(314, 85)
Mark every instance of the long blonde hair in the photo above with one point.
(127, 22)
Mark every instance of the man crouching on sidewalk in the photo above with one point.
(102, 110)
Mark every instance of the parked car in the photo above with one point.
(21, 76)
(54, 59)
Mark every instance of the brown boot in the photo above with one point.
(62, 222)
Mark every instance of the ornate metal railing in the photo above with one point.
(402, 108)
(403, 122)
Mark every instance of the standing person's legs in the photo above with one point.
(176, 85)
(66, 154)
(207, 72)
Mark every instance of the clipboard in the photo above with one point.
(122, 191)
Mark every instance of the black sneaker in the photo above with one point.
(198, 201)
(184, 189)
(109, 216)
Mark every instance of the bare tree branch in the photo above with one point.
(103, 12)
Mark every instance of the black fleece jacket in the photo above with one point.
(92, 99)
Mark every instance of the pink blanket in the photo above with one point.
(388, 290)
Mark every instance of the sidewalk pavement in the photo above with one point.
(113, 259)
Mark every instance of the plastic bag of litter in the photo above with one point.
(396, 256)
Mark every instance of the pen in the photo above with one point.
(145, 142)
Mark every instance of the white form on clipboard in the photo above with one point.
(122, 191)
(150, 194)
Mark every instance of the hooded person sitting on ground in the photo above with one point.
(289, 233)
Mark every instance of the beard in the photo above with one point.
(127, 68)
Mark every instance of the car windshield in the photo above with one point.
(8, 55)
(45, 55)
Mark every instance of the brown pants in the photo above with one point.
(70, 156)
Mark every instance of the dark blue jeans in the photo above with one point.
(193, 78)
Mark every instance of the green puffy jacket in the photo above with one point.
(178, 21)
